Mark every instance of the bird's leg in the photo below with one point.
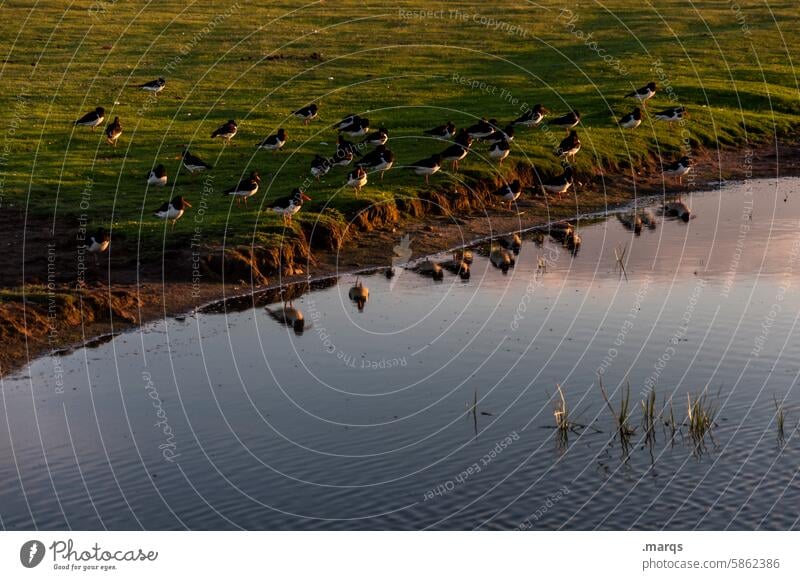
(426, 179)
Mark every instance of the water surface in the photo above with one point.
(365, 420)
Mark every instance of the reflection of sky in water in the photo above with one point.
(355, 421)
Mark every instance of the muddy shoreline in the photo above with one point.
(42, 313)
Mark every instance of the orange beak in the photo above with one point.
(305, 197)
(186, 203)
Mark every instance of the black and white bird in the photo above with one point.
(320, 166)
(531, 117)
(672, 115)
(482, 128)
(172, 210)
(643, 94)
(245, 188)
(93, 119)
(510, 192)
(226, 131)
(458, 150)
(632, 119)
(345, 151)
(506, 134)
(290, 205)
(678, 209)
(379, 137)
(346, 121)
(381, 159)
(158, 176)
(357, 179)
(113, 132)
(274, 142)
(427, 166)
(155, 86)
(98, 242)
(193, 163)
(678, 168)
(358, 128)
(560, 184)
(307, 114)
(446, 131)
(500, 150)
(570, 146)
(567, 121)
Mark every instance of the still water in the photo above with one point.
(433, 408)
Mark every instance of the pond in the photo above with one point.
(433, 407)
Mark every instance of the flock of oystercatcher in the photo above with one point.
(380, 159)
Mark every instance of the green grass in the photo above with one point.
(396, 70)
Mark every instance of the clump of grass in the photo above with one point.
(649, 416)
(561, 413)
(780, 418)
(669, 417)
(622, 418)
(700, 416)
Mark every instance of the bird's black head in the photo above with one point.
(637, 113)
(178, 202)
(493, 122)
(160, 169)
(515, 185)
(384, 130)
(576, 114)
(299, 325)
(101, 235)
(380, 148)
(685, 161)
(162, 80)
(364, 122)
(573, 134)
(100, 111)
(255, 176)
(231, 122)
(568, 172)
(509, 130)
(313, 107)
(538, 108)
(651, 86)
(282, 133)
(436, 158)
(116, 120)
(451, 126)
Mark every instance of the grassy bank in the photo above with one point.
(405, 69)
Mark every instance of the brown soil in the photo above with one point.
(47, 304)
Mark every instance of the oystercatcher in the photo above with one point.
(567, 121)
(358, 128)
(644, 93)
(346, 121)
(307, 114)
(379, 137)
(381, 159)
(274, 142)
(482, 128)
(672, 115)
(506, 134)
(570, 146)
(245, 188)
(501, 258)
(458, 150)
(560, 184)
(531, 117)
(194, 164)
(290, 205)
(227, 131)
(98, 242)
(155, 86)
(632, 119)
(345, 151)
(158, 176)
(443, 131)
(678, 168)
(500, 150)
(92, 119)
(427, 166)
(357, 179)
(172, 210)
(320, 166)
(510, 192)
(113, 131)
